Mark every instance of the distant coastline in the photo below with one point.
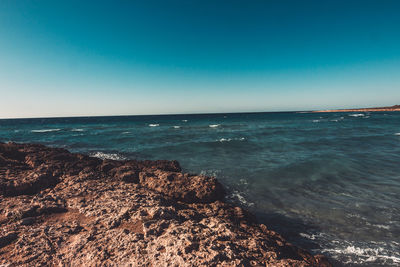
(377, 109)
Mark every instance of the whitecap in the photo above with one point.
(125, 132)
(397, 134)
(77, 130)
(357, 115)
(184, 120)
(102, 155)
(363, 254)
(177, 127)
(231, 139)
(154, 125)
(45, 130)
(311, 236)
(316, 121)
(236, 195)
(213, 125)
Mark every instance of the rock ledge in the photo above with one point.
(60, 208)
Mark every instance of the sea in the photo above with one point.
(327, 182)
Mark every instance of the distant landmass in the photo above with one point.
(392, 108)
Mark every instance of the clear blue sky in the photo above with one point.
(69, 58)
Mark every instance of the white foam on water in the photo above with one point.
(212, 173)
(311, 236)
(45, 130)
(357, 115)
(243, 181)
(316, 121)
(231, 139)
(184, 120)
(213, 125)
(397, 134)
(77, 130)
(239, 197)
(363, 255)
(337, 119)
(102, 155)
(125, 132)
(177, 127)
(154, 125)
(381, 226)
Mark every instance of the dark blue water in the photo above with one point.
(329, 182)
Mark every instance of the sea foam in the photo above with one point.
(45, 130)
(231, 139)
(357, 115)
(213, 125)
(363, 255)
(102, 155)
(154, 125)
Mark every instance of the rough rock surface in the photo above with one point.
(59, 208)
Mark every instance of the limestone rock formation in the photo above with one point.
(59, 208)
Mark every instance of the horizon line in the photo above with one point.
(177, 114)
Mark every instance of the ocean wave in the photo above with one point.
(357, 115)
(238, 196)
(102, 155)
(214, 125)
(231, 139)
(311, 236)
(125, 132)
(177, 127)
(77, 130)
(397, 134)
(212, 173)
(316, 120)
(381, 226)
(363, 255)
(45, 130)
(337, 119)
(154, 125)
(185, 120)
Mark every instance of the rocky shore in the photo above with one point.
(60, 208)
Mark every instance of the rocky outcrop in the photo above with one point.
(59, 208)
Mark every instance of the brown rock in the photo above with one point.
(59, 208)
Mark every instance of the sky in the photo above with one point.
(84, 58)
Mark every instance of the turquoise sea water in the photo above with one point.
(329, 182)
